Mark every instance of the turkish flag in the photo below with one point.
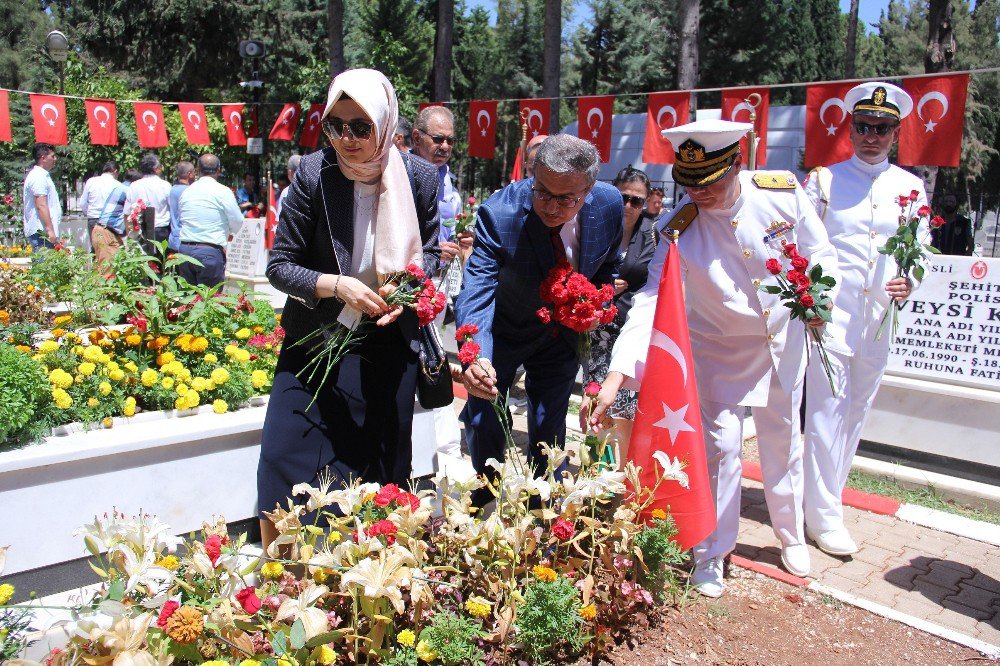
(736, 108)
(49, 114)
(102, 118)
(932, 133)
(518, 168)
(827, 125)
(271, 217)
(285, 123)
(482, 129)
(665, 110)
(195, 124)
(593, 122)
(5, 134)
(535, 112)
(311, 130)
(232, 115)
(149, 125)
(668, 416)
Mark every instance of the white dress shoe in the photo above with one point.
(834, 542)
(796, 559)
(707, 577)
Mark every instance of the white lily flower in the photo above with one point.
(672, 469)
(141, 570)
(382, 576)
(556, 455)
(126, 639)
(303, 608)
(318, 497)
(514, 481)
(584, 487)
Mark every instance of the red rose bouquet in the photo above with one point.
(575, 303)
(908, 249)
(805, 294)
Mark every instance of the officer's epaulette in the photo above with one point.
(681, 220)
(774, 180)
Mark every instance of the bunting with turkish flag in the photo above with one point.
(535, 112)
(5, 134)
(232, 115)
(828, 128)
(932, 133)
(736, 107)
(667, 429)
(482, 129)
(665, 110)
(49, 115)
(311, 130)
(285, 123)
(593, 122)
(195, 124)
(102, 119)
(149, 127)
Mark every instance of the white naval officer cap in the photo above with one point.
(879, 99)
(705, 150)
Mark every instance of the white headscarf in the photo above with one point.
(397, 230)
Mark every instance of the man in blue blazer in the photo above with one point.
(520, 231)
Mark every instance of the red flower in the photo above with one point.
(544, 315)
(773, 266)
(468, 353)
(383, 528)
(249, 600)
(404, 498)
(562, 529)
(799, 278)
(140, 323)
(914, 195)
(924, 211)
(9, 199)
(592, 389)
(472, 200)
(790, 250)
(609, 314)
(937, 221)
(806, 300)
(213, 548)
(465, 331)
(165, 613)
(416, 272)
(387, 494)
(799, 262)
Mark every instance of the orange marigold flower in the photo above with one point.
(659, 514)
(185, 625)
(58, 333)
(588, 612)
(544, 573)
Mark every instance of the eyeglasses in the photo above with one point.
(439, 138)
(628, 199)
(880, 130)
(563, 200)
(335, 128)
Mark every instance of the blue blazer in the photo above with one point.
(513, 255)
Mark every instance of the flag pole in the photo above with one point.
(752, 100)
(524, 143)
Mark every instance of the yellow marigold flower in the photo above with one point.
(211, 358)
(133, 340)
(217, 332)
(278, 317)
(185, 625)
(78, 379)
(167, 383)
(220, 375)
(183, 374)
(48, 346)
(588, 612)
(478, 607)
(164, 358)
(272, 570)
(58, 333)
(30, 288)
(324, 655)
(199, 383)
(107, 422)
(192, 399)
(544, 573)
(243, 333)
(199, 344)
(425, 652)
(116, 375)
(659, 514)
(183, 341)
(284, 662)
(129, 408)
(182, 389)
(179, 403)
(61, 398)
(73, 337)
(149, 377)
(60, 378)
(258, 329)
(215, 662)
(168, 562)
(242, 355)
(93, 402)
(249, 662)
(320, 576)
(258, 379)
(6, 592)
(220, 407)
(334, 537)
(231, 350)
(91, 354)
(210, 385)
(62, 319)
(4, 316)
(95, 336)
(406, 638)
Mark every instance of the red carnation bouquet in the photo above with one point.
(805, 294)
(134, 217)
(908, 249)
(328, 343)
(575, 303)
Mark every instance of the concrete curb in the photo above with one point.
(950, 487)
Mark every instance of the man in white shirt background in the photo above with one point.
(42, 209)
(96, 193)
(154, 192)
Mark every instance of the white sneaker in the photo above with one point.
(835, 542)
(707, 577)
(796, 559)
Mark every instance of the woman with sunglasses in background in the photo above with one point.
(638, 243)
(358, 212)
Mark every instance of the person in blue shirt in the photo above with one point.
(183, 176)
(246, 196)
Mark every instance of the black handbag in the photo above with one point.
(434, 385)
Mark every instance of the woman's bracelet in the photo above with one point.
(336, 288)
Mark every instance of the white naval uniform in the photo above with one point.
(857, 202)
(746, 351)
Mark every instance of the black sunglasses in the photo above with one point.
(880, 130)
(638, 202)
(439, 138)
(335, 128)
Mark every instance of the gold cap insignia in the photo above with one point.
(878, 97)
(692, 151)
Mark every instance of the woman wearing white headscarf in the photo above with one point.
(357, 213)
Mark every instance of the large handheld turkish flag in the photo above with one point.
(668, 417)
(535, 112)
(482, 129)
(593, 122)
(932, 133)
(195, 124)
(736, 108)
(827, 124)
(665, 110)
(311, 130)
(271, 217)
(5, 134)
(49, 114)
(149, 127)
(232, 115)
(285, 123)
(102, 119)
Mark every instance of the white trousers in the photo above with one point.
(833, 429)
(780, 449)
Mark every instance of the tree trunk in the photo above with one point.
(851, 47)
(335, 30)
(550, 59)
(442, 51)
(687, 65)
(938, 57)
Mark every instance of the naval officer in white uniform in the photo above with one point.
(746, 351)
(857, 201)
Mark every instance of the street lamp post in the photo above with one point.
(58, 48)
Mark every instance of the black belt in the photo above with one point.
(217, 247)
